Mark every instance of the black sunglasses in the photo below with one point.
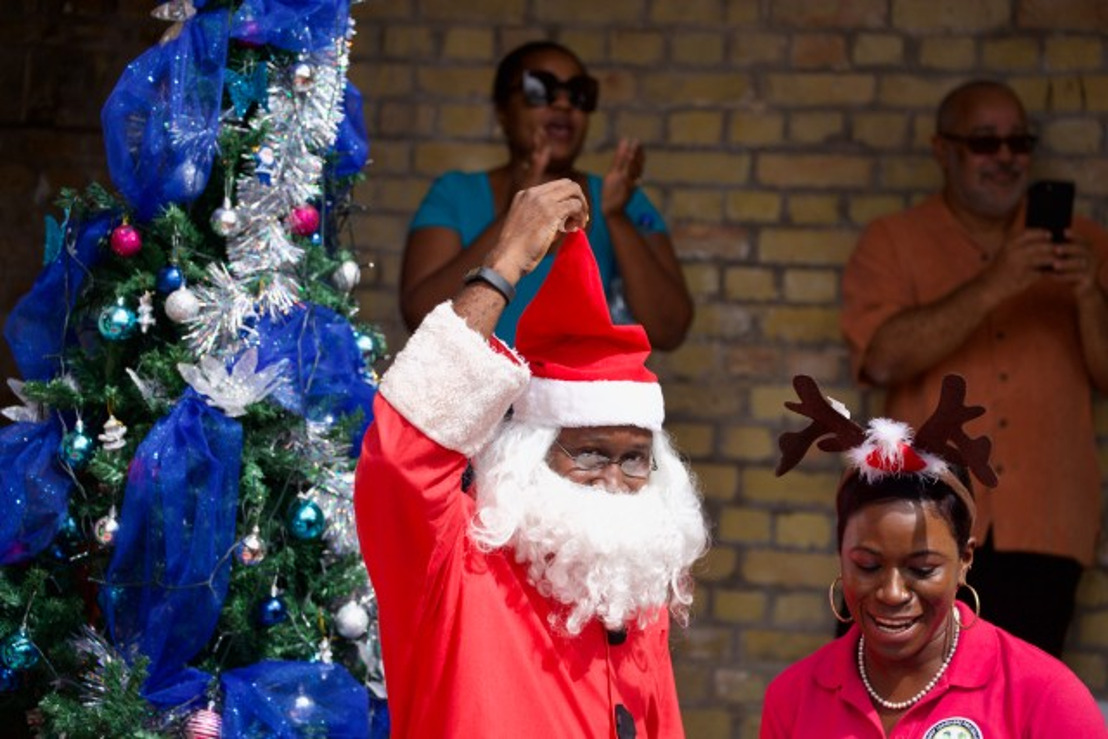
(542, 88)
(1018, 143)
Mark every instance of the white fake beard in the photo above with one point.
(613, 556)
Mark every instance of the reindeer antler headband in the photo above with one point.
(888, 447)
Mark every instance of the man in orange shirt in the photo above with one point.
(957, 284)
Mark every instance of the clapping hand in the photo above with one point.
(622, 177)
(534, 167)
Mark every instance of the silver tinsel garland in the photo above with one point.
(226, 317)
(331, 471)
(299, 125)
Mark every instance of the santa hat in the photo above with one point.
(585, 371)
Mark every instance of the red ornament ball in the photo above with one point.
(126, 241)
(304, 220)
(204, 724)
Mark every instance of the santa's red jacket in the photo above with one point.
(467, 643)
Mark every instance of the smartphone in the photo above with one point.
(1050, 206)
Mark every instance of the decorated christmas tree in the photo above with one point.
(177, 550)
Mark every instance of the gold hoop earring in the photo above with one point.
(976, 606)
(831, 599)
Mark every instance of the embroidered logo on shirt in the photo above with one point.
(954, 728)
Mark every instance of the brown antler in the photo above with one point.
(943, 436)
(825, 420)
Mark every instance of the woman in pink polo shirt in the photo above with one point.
(915, 663)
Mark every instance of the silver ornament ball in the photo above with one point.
(225, 221)
(182, 305)
(252, 549)
(347, 276)
(106, 528)
(351, 621)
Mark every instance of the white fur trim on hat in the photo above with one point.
(450, 384)
(571, 404)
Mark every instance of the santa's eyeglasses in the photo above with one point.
(542, 88)
(1019, 143)
(635, 464)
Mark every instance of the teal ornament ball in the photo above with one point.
(371, 344)
(365, 343)
(18, 652)
(117, 322)
(9, 680)
(306, 520)
(76, 448)
(69, 537)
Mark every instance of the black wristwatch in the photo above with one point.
(493, 278)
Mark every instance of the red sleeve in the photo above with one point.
(410, 508)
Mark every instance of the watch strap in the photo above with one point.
(493, 278)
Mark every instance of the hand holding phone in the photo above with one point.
(1050, 206)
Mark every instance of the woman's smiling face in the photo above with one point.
(901, 569)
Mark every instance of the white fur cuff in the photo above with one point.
(450, 384)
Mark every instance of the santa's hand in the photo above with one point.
(536, 218)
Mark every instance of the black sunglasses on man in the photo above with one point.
(1017, 143)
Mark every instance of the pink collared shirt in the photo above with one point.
(997, 687)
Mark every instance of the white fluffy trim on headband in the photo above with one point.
(888, 450)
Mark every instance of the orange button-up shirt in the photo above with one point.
(1023, 363)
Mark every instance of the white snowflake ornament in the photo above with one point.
(232, 391)
(29, 412)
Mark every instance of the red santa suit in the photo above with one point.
(467, 642)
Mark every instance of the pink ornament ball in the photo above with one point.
(204, 724)
(304, 220)
(126, 241)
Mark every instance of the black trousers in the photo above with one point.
(1026, 594)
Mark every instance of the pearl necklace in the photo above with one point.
(901, 705)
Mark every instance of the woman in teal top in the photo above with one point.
(543, 98)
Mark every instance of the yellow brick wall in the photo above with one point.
(774, 131)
